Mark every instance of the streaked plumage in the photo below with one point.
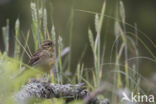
(44, 57)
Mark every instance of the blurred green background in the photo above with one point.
(143, 13)
(73, 18)
(139, 12)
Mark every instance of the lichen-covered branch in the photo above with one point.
(38, 89)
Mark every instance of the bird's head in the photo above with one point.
(48, 45)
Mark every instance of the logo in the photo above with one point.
(138, 98)
(125, 97)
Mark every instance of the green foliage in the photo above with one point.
(123, 74)
(10, 78)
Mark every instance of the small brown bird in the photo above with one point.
(44, 58)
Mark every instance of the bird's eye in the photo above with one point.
(49, 44)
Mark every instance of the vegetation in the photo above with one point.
(122, 74)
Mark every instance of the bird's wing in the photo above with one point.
(35, 57)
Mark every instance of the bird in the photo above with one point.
(45, 57)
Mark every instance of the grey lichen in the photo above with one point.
(36, 90)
